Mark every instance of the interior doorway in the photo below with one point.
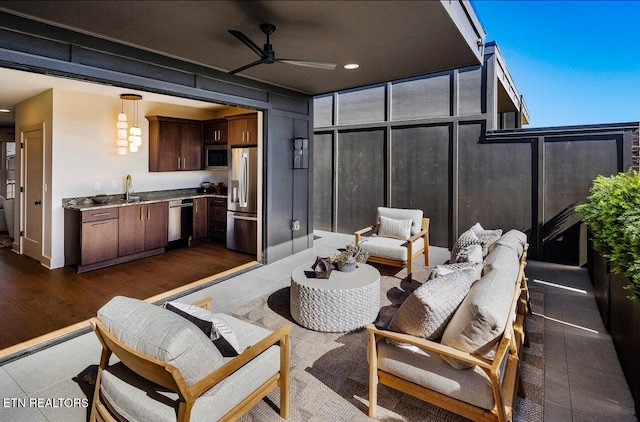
(33, 178)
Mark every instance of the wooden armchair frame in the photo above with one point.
(170, 377)
(411, 255)
(509, 347)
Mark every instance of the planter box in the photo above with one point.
(625, 332)
(601, 289)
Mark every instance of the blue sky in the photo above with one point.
(575, 62)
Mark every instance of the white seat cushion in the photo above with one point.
(384, 247)
(431, 371)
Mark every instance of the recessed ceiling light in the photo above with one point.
(5, 110)
(351, 66)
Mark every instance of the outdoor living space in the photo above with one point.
(576, 376)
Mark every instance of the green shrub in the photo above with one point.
(612, 214)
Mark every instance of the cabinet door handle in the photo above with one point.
(141, 215)
(100, 224)
(178, 163)
(100, 214)
(148, 213)
(184, 163)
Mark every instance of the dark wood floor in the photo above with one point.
(35, 301)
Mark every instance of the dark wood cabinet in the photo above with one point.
(243, 129)
(175, 144)
(157, 225)
(218, 218)
(143, 228)
(90, 238)
(215, 132)
(200, 220)
(99, 236)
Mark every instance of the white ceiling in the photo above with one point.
(18, 86)
(389, 39)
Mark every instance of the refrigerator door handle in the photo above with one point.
(242, 217)
(244, 188)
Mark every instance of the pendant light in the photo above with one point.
(134, 140)
(122, 129)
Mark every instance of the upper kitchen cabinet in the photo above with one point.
(174, 144)
(243, 129)
(216, 132)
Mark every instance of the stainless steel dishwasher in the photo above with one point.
(180, 220)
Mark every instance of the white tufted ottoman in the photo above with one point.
(344, 302)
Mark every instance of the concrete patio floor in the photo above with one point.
(583, 378)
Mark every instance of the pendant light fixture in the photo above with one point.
(134, 140)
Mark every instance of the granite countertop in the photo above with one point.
(137, 198)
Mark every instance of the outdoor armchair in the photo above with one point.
(399, 238)
(170, 370)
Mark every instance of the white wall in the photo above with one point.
(81, 152)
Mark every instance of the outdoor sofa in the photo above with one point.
(457, 350)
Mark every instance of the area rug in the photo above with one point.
(5, 241)
(329, 371)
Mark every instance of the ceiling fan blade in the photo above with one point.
(246, 41)
(245, 67)
(309, 63)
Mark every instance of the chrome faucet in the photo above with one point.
(128, 187)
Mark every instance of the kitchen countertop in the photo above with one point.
(87, 204)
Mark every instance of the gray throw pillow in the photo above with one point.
(487, 237)
(445, 269)
(467, 238)
(426, 312)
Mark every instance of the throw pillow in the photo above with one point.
(445, 269)
(467, 238)
(222, 336)
(487, 237)
(426, 312)
(470, 253)
(395, 229)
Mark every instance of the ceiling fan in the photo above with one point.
(267, 55)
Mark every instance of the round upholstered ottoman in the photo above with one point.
(344, 302)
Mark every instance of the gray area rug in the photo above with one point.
(329, 371)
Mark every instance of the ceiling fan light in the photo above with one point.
(133, 147)
(122, 150)
(122, 142)
(122, 125)
(122, 117)
(122, 134)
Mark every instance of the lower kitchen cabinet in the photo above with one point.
(143, 228)
(107, 236)
(218, 218)
(91, 237)
(200, 220)
(99, 237)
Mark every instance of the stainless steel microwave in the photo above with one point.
(216, 157)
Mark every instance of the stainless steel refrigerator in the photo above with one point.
(242, 208)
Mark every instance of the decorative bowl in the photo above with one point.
(100, 199)
(205, 185)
